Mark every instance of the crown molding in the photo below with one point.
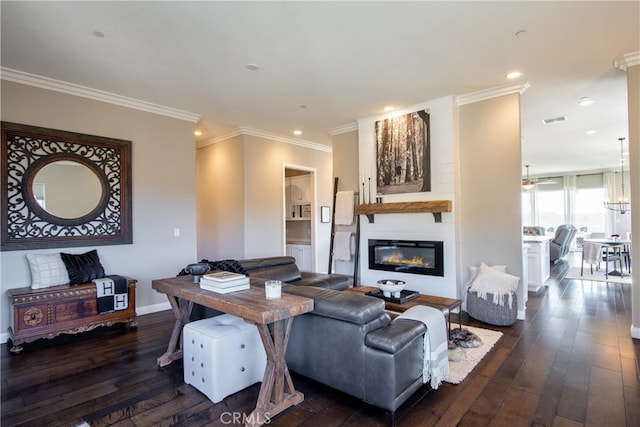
(485, 94)
(343, 129)
(266, 135)
(28, 79)
(627, 60)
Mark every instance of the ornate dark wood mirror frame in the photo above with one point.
(26, 224)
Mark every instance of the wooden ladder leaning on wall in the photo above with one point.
(333, 233)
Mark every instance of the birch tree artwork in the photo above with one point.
(403, 158)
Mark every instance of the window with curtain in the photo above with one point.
(550, 205)
(589, 212)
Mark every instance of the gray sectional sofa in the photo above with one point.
(348, 342)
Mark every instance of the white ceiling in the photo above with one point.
(343, 61)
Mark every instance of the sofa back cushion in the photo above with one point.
(341, 305)
(277, 268)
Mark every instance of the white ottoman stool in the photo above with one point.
(222, 355)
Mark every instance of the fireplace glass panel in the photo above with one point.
(406, 256)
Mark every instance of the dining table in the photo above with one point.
(620, 247)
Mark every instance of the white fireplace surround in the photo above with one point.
(417, 226)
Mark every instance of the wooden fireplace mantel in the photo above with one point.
(436, 207)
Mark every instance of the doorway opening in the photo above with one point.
(299, 218)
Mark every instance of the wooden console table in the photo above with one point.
(273, 319)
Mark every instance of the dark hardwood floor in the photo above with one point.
(570, 363)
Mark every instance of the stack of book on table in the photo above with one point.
(224, 282)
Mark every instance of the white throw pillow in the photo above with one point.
(47, 270)
(491, 280)
(473, 270)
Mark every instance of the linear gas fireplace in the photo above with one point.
(407, 256)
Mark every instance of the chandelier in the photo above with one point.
(622, 205)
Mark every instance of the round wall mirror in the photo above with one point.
(63, 189)
(67, 189)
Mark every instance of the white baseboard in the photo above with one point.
(147, 309)
(635, 332)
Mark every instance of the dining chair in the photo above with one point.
(625, 253)
(592, 255)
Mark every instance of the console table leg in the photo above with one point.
(182, 312)
(277, 392)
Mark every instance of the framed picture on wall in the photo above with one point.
(403, 154)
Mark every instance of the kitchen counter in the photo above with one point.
(298, 242)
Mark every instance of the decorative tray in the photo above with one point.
(405, 295)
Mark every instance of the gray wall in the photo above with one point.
(253, 226)
(346, 167)
(220, 199)
(163, 178)
(489, 185)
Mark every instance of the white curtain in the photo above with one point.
(529, 198)
(609, 184)
(535, 215)
(569, 187)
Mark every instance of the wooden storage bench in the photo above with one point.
(49, 312)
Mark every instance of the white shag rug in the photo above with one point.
(597, 276)
(465, 359)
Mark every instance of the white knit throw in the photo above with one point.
(436, 356)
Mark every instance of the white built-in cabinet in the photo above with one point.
(298, 197)
(538, 257)
(302, 254)
(300, 187)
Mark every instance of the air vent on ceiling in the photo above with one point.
(554, 120)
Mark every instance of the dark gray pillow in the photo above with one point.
(83, 268)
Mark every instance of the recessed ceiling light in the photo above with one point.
(585, 100)
(388, 108)
(252, 67)
(591, 132)
(197, 133)
(297, 132)
(514, 74)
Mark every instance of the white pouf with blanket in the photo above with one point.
(491, 295)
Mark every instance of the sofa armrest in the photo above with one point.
(395, 336)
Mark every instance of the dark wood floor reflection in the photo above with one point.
(570, 363)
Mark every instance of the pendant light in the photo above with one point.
(622, 205)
